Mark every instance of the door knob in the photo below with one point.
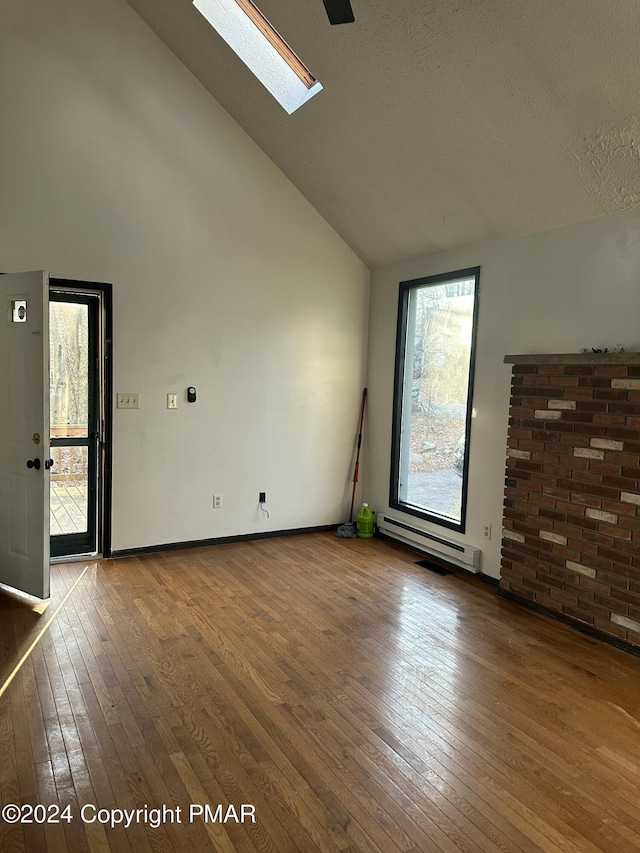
(48, 463)
(34, 463)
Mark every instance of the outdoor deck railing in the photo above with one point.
(69, 463)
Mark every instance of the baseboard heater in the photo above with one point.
(465, 556)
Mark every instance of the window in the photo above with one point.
(432, 398)
(262, 49)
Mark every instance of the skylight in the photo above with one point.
(262, 49)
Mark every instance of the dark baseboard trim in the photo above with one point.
(488, 579)
(589, 630)
(221, 540)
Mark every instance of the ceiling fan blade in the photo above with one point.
(339, 11)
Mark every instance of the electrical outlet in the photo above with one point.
(217, 501)
(487, 531)
(262, 497)
(127, 400)
(172, 401)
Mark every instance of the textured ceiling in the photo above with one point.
(442, 123)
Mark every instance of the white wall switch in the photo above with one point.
(172, 401)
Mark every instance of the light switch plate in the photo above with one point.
(127, 400)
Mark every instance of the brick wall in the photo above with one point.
(571, 529)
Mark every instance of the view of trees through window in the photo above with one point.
(435, 395)
(68, 354)
(69, 408)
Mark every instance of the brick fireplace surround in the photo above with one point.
(571, 527)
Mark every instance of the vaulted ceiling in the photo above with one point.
(442, 123)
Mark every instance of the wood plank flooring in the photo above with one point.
(357, 701)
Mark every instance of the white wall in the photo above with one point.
(117, 166)
(555, 291)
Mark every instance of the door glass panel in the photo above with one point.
(69, 490)
(69, 350)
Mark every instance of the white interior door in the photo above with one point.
(24, 432)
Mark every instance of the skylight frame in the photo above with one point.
(263, 50)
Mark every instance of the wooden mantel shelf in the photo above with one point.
(575, 358)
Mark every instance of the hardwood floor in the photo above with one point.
(357, 701)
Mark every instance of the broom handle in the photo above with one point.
(355, 470)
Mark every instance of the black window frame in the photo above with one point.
(405, 289)
(65, 545)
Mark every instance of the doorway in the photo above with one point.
(80, 418)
